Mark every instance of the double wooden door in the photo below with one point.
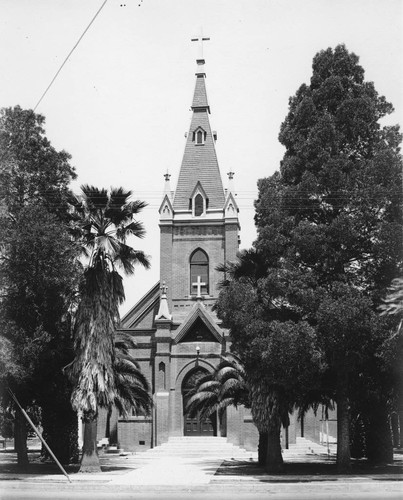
(195, 425)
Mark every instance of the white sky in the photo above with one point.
(121, 104)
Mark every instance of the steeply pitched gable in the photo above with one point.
(200, 318)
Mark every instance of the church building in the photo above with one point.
(178, 335)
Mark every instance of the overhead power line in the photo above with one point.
(69, 54)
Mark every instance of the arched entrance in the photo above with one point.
(195, 425)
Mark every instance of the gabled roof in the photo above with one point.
(197, 188)
(166, 209)
(198, 312)
(199, 161)
(146, 306)
(231, 207)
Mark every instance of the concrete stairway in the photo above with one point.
(200, 446)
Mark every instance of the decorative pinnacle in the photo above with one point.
(163, 313)
(167, 176)
(230, 175)
(164, 288)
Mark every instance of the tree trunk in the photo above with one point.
(274, 458)
(379, 436)
(343, 425)
(262, 448)
(400, 414)
(60, 430)
(394, 422)
(90, 458)
(357, 435)
(20, 439)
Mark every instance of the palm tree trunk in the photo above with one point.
(20, 440)
(274, 458)
(218, 423)
(90, 458)
(343, 424)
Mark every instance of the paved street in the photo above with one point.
(312, 490)
(147, 476)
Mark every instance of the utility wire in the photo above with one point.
(69, 54)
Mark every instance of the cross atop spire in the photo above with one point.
(200, 39)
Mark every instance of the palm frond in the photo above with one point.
(95, 198)
(128, 258)
(135, 228)
(135, 207)
(119, 197)
(124, 342)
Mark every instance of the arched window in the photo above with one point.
(199, 273)
(199, 205)
(199, 137)
(161, 375)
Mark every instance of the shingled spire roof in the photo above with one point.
(199, 163)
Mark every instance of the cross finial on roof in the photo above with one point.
(167, 176)
(200, 39)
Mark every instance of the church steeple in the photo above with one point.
(199, 224)
(199, 163)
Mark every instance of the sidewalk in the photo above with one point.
(206, 475)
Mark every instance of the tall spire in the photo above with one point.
(199, 164)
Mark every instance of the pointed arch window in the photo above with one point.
(199, 136)
(199, 272)
(199, 205)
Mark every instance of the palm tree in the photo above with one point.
(102, 224)
(132, 387)
(226, 386)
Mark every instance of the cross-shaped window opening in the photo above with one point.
(199, 266)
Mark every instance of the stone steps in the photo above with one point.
(198, 447)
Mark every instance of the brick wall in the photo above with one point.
(166, 259)
(135, 434)
(241, 430)
(182, 250)
(231, 242)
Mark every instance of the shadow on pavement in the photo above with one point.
(325, 467)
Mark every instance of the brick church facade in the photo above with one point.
(179, 337)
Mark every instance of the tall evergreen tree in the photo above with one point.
(37, 272)
(276, 344)
(31, 168)
(334, 211)
(329, 243)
